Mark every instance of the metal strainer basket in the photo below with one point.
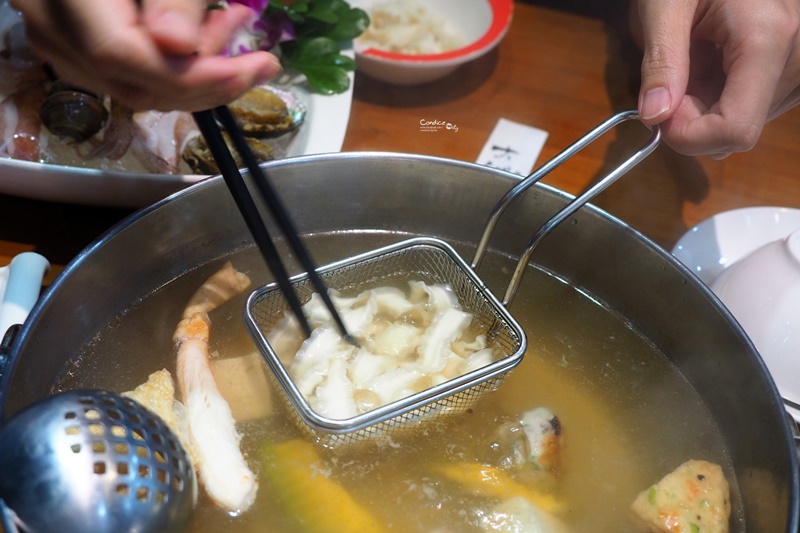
(432, 261)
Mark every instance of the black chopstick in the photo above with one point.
(207, 122)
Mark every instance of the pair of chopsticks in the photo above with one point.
(209, 128)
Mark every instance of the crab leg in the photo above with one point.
(220, 465)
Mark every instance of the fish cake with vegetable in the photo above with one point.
(694, 498)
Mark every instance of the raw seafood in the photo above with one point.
(197, 154)
(221, 468)
(95, 132)
(694, 498)
(72, 114)
(162, 137)
(20, 125)
(262, 111)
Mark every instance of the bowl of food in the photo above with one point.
(636, 380)
(410, 42)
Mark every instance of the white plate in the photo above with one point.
(719, 241)
(322, 132)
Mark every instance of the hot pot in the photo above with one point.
(399, 195)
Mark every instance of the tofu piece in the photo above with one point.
(694, 498)
(242, 381)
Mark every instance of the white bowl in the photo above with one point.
(481, 23)
(762, 290)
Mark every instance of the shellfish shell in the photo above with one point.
(268, 110)
(73, 115)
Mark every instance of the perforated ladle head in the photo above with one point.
(93, 461)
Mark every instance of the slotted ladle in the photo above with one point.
(93, 461)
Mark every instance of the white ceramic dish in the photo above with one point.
(322, 132)
(745, 238)
(719, 241)
(481, 23)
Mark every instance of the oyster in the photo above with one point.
(200, 159)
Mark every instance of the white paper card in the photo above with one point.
(513, 147)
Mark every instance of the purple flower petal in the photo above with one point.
(278, 28)
(263, 31)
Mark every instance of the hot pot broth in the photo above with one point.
(628, 416)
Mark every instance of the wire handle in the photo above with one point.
(573, 206)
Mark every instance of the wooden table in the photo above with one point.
(560, 71)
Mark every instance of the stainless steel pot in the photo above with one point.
(395, 193)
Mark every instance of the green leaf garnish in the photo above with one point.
(320, 27)
(319, 59)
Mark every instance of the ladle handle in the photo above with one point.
(573, 206)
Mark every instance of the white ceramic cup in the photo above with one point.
(762, 291)
(20, 284)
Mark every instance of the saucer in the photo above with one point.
(717, 242)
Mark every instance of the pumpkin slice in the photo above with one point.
(318, 503)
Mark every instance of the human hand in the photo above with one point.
(162, 54)
(715, 71)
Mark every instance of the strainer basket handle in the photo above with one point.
(573, 206)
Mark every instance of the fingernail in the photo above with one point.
(270, 70)
(176, 24)
(655, 102)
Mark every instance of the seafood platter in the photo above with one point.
(61, 143)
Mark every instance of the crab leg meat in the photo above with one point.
(220, 465)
